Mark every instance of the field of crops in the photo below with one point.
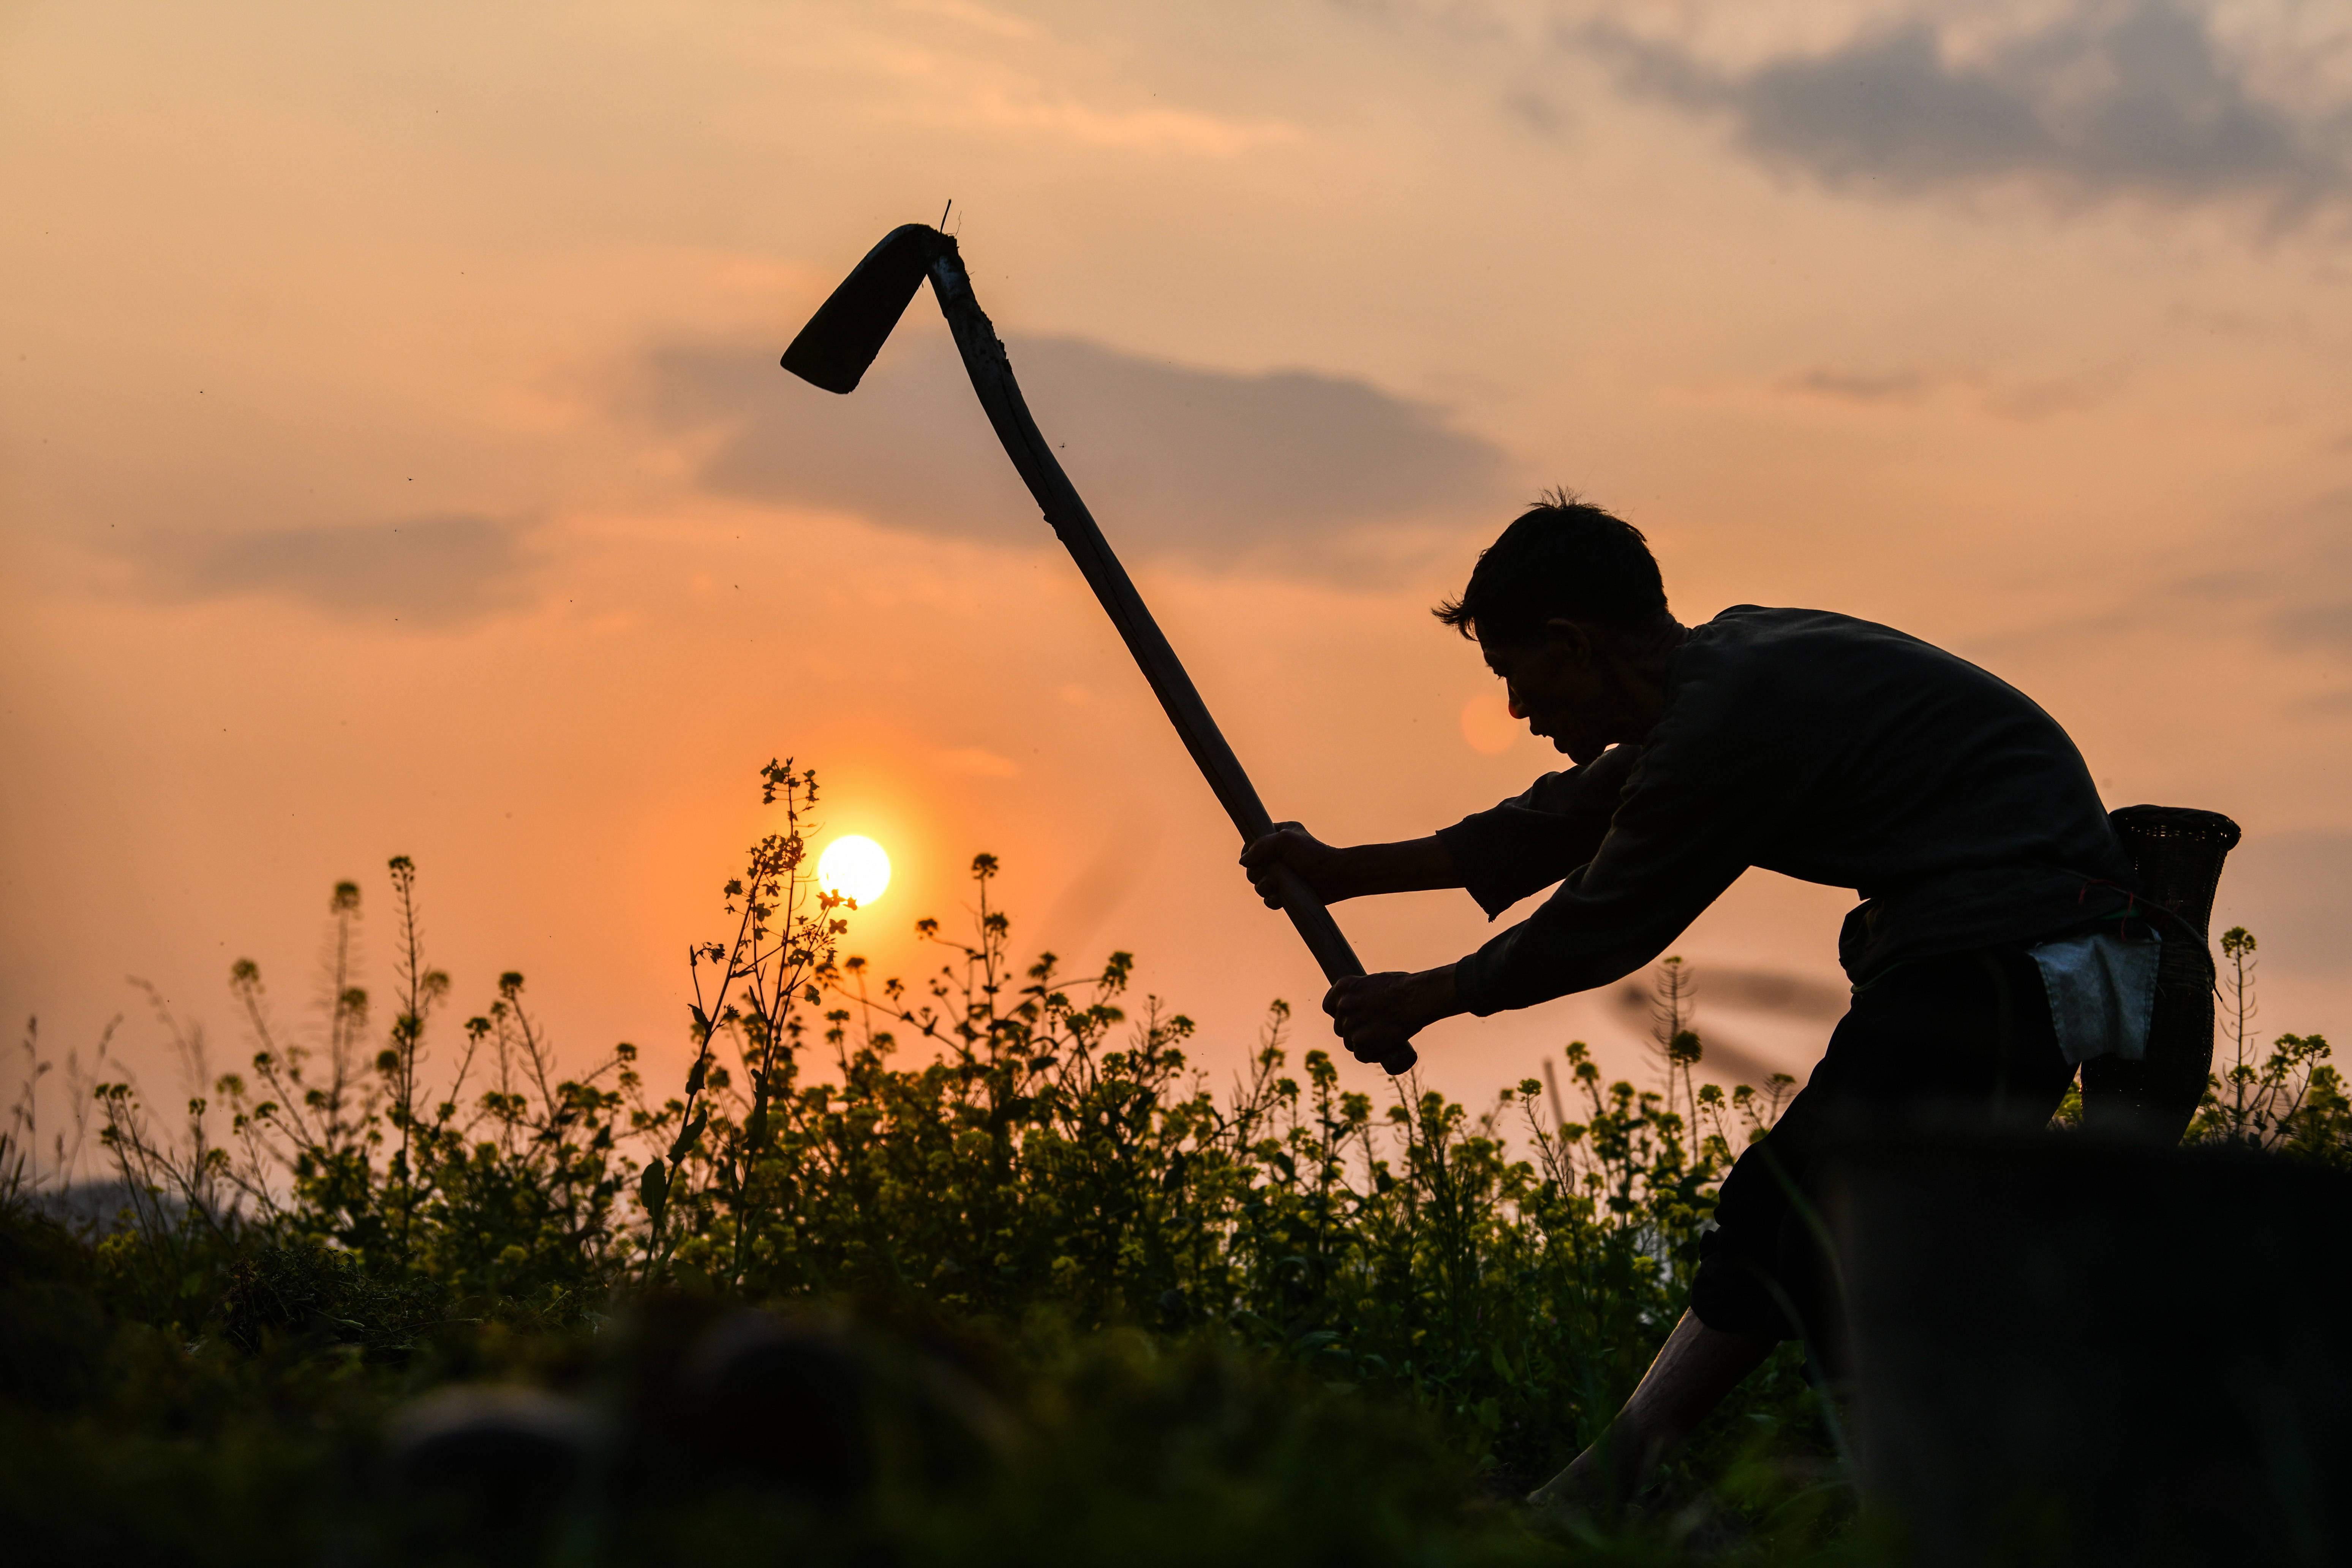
(974, 1269)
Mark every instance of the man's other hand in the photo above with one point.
(1376, 1013)
(1317, 863)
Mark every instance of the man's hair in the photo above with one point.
(1561, 558)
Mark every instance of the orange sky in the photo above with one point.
(393, 458)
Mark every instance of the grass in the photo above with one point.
(1084, 1306)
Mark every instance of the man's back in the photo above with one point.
(1823, 747)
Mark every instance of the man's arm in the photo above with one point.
(1539, 836)
(1500, 855)
(1529, 841)
(1334, 872)
(1682, 831)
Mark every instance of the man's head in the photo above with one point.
(1569, 608)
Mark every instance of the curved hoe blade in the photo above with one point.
(849, 329)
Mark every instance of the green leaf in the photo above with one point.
(687, 1134)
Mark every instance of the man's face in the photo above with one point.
(1557, 684)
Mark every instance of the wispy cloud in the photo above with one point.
(2283, 578)
(1140, 129)
(979, 762)
(1294, 472)
(2326, 624)
(2290, 576)
(421, 571)
(1887, 391)
(1008, 74)
(985, 20)
(2104, 99)
(1863, 386)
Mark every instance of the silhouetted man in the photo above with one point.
(1823, 747)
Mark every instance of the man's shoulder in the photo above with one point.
(1761, 642)
(1758, 669)
(1750, 625)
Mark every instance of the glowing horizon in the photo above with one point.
(396, 459)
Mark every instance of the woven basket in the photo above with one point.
(2178, 854)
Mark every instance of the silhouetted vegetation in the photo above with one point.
(1156, 1318)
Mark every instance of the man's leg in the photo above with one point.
(1694, 1369)
(1966, 1036)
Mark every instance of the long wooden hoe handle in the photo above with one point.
(1000, 394)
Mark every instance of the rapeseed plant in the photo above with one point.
(1004, 1155)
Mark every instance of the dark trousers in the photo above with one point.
(1961, 1041)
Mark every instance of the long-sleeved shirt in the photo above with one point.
(1819, 746)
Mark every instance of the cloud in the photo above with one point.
(1883, 391)
(424, 571)
(979, 762)
(1006, 73)
(1539, 114)
(982, 19)
(1722, 1056)
(2326, 624)
(1863, 386)
(2289, 574)
(2327, 703)
(1774, 991)
(1150, 128)
(2136, 98)
(1292, 471)
(2283, 577)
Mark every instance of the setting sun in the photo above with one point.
(854, 868)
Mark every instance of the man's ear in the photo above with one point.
(1571, 638)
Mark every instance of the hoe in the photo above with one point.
(834, 351)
